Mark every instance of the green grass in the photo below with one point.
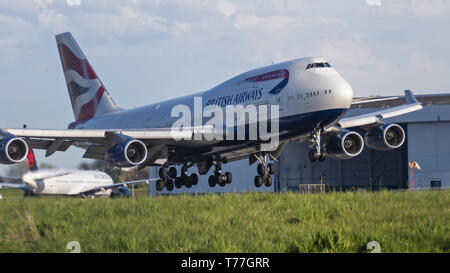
(252, 222)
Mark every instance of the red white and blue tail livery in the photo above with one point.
(87, 93)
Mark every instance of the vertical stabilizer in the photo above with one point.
(32, 164)
(87, 93)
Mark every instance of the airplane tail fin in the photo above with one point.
(87, 93)
(32, 164)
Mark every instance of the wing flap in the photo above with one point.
(89, 134)
(357, 101)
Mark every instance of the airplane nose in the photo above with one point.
(344, 94)
(31, 185)
(30, 182)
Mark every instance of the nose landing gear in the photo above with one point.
(316, 152)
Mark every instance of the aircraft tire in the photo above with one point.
(258, 181)
(312, 156)
(163, 173)
(221, 180)
(229, 177)
(160, 185)
(172, 172)
(212, 181)
(322, 157)
(272, 168)
(178, 182)
(169, 184)
(187, 181)
(268, 181)
(261, 169)
(194, 179)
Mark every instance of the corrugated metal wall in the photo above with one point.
(429, 145)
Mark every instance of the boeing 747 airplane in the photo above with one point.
(307, 98)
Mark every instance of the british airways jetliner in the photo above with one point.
(311, 99)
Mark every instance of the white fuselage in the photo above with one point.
(306, 98)
(293, 100)
(65, 182)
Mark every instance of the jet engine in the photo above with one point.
(127, 153)
(385, 137)
(12, 149)
(120, 192)
(343, 145)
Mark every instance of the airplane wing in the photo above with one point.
(13, 186)
(115, 186)
(11, 179)
(412, 104)
(98, 142)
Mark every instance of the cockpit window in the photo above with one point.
(318, 65)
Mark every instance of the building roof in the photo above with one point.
(389, 101)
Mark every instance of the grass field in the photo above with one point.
(253, 222)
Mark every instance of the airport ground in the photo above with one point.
(416, 221)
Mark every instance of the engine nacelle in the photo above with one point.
(120, 192)
(385, 137)
(127, 153)
(343, 145)
(12, 149)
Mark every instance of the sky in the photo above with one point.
(153, 50)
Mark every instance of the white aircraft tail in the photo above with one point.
(87, 93)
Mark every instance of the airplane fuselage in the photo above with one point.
(65, 182)
(307, 99)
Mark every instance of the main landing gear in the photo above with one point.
(218, 177)
(316, 152)
(265, 172)
(169, 179)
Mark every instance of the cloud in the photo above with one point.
(352, 53)
(52, 19)
(373, 2)
(429, 9)
(226, 8)
(265, 24)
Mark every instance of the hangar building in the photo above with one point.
(427, 142)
